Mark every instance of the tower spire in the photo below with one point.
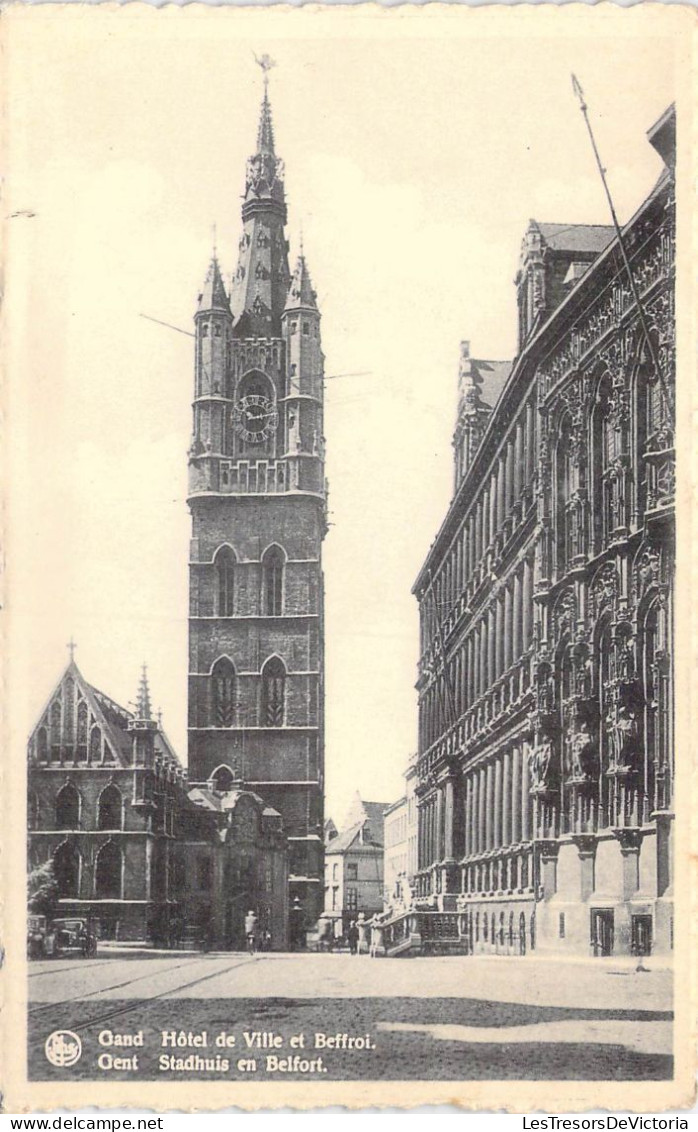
(260, 284)
(143, 698)
(213, 294)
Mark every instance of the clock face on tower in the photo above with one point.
(254, 418)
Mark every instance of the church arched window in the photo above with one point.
(95, 745)
(273, 692)
(82, 731)
(222, 780)
(225, 581)
(110, 808)
(55, 718)
(273, 581)
(223, 678)
(66, 869)
(42, 745)
(108, 872)
(33, 810)
(67, 807)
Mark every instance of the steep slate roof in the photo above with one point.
(362, 816)
(493, 376)
(588, 238)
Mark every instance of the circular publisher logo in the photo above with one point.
(63, 1048)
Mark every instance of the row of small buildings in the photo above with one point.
(538, 811)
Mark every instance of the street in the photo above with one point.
(438, 1017)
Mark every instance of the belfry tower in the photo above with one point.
(258, 503)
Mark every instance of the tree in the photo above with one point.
(42, 890)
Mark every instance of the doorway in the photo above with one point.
(602, 932)
(641, 934)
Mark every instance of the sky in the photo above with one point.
(415, 154)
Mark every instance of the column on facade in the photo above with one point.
(527, 602)
(509, 485)
(518, 460)
(482, 669)
(506, 800)
(501, 486)
(482, 843)
(508, 628)
(466, 818)
(530, 442)
(515, 795)
(517, 617)
(497, 807)
(448, 803)
(489, 794)
(525, 798)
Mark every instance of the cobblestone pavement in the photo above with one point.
(439, 1017)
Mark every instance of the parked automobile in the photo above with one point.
(69, 935)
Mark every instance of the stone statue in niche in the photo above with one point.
(541, 754)
(620, 726)
(578, 746)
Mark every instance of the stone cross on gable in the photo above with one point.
(71, 647)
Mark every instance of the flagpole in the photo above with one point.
(576, 86)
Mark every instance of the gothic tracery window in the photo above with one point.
(273, 581)
(223, 677)
(110, 808)
(108, 872)
(273, 693)
(222, 779)
(66, 868)
(67, 807)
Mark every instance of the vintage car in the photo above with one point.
(70, 935)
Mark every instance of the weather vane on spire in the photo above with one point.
(266, 63)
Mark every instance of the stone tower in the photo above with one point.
(258, 504)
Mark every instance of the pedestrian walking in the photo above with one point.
(251, 931)
(353, 937)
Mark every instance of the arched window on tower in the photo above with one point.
(108, 872)
(273, 581)
(66, 869)
(67, 807)
(273, 692)
(225, 582)
(223, 693)
(110, 808)
(222, 780)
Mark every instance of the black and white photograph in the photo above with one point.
(344, 597)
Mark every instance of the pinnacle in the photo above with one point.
(143, 697)
(214, 296)
(265, 131)
(300, 292)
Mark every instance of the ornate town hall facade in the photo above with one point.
(136, 842)
(545, 767)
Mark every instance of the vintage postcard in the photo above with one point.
(348, 371)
